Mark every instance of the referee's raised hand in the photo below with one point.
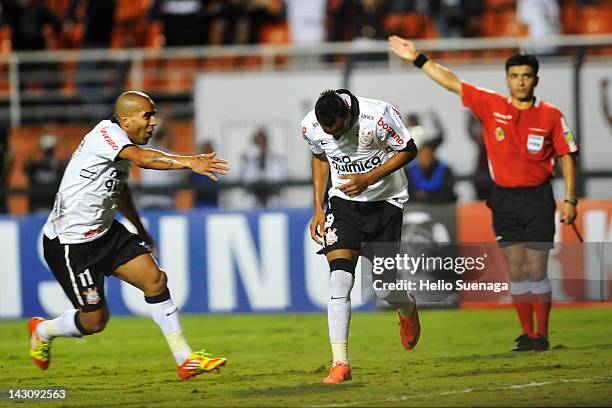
(405, 49)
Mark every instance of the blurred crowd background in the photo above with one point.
(63, 62)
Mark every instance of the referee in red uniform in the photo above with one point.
(523, 136)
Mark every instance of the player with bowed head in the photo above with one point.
(364, 143)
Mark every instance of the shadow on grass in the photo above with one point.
(297, 390)
(555, 350)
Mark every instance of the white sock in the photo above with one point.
(398, 299)
(520, 288)
(339, 313)
(540, 287)
(62, 326)
(166, 315)
(340, 353)
(404, 303)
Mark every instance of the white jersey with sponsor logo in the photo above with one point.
(86, 202)
(374, 138)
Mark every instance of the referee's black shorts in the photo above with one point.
(524, 215)
(81, 268)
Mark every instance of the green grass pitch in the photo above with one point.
(279, 360)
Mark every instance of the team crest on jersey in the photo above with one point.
(500, 134)
(365, 138)
(91, 296)
(329, 220)
(331, 237)
(534, 143)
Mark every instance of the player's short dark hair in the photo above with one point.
(523, 59)
(330, 107)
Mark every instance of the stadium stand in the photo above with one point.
(168, 74)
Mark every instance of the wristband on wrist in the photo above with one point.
(573, 201)
(420, 60)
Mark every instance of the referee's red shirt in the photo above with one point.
(521, 144)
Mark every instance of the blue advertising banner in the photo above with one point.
(216, 261)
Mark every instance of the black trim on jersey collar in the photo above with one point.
(410, 146)
(117, 158)
(114, 119)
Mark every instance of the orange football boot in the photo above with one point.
(339, 372)
(199, 363)
(40, 350)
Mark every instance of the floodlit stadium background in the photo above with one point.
(238, 256)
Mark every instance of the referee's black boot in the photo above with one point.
(541, 343)
(524, 343)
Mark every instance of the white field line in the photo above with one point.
(466, 391)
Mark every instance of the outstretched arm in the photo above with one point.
(205, 164)
(407, 51)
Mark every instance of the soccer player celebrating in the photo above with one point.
(83, 242)
(523, 135)
(364, 143)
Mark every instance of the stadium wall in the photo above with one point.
(265, 261)
(278, 101)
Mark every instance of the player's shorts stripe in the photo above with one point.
(71, 273)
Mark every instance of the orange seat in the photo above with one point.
(596, 19)
(409, 25)
(5, 39)
(569, 17)
(501, 23)
(130, 26)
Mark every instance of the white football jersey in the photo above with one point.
(374, 138)
(86, 202)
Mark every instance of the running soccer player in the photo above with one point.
(363, 142)
(523, 136)
(83, 243)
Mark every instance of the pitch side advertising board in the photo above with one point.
(265, 261)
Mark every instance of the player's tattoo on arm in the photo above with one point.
(164, 160)
(156, 159)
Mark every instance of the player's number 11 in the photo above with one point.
(85, 277)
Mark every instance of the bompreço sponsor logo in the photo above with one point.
(344, 164)
(392, 133)
(108, 140)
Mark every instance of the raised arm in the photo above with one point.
(407, 51)
(205, 164)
